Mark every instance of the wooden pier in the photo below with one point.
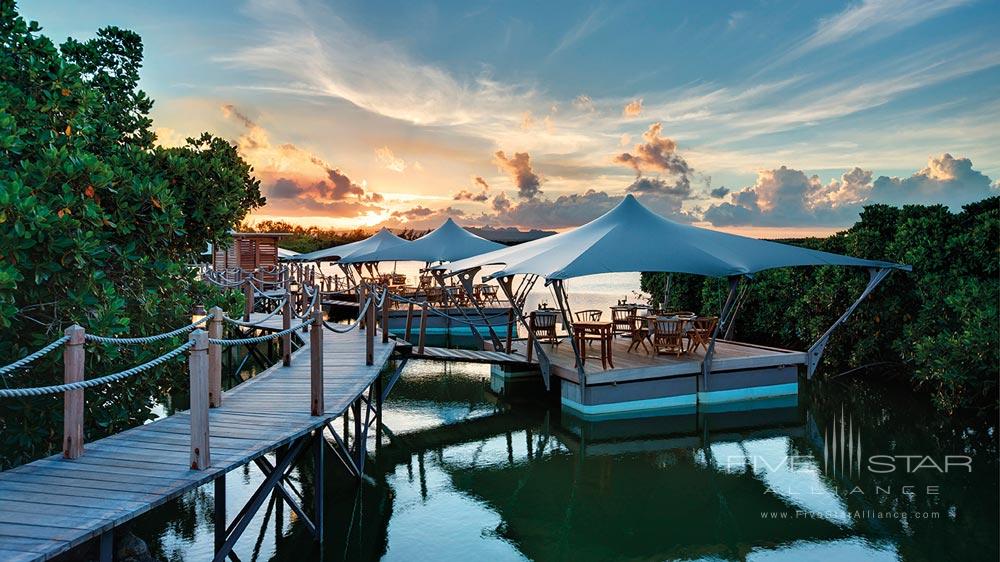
(52, 505)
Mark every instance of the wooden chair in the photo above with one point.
(640, 332)
(488, 294)
(700, 333)
(588, 315)
(621, 320)
(668, 337)
(541, 328)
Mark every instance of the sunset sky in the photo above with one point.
(766, 117)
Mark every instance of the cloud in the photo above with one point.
(658, 154)
(519, 168)
(656, 185)
(584, 103)
(481, 197)
(501, 203)
(297, 180)
(421, 217)
(719, 192)
(632, 108)
(527, 121)
(594, 21)
(871, 20)
(788, 197)
(386, 158)
(735, 18)
(946, 180)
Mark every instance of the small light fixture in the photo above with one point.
(197, 313)
(293, 286)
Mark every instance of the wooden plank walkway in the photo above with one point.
(51, 505)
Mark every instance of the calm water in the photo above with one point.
(468, 475)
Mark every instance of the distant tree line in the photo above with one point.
(305, 239)
(938, 325)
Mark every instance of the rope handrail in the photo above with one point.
(31, 357)
(344, 328)
(312, 305)
(146, 339)
(276, 310)
(259, 339)
(58, 388)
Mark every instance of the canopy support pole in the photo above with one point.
(815, 353)
(543, 359)
(666, 292)
(439, 275)
(563, 301)
(466, 278)
(706, 365)
(347, 274)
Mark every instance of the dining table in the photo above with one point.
(603, 332)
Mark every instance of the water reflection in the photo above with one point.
(462, 474)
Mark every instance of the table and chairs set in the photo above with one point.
(666, 332)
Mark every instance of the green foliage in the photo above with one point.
(940, 322)
(97, 223)
(304, 239)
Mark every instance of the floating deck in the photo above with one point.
(644, 381)
(52, 505)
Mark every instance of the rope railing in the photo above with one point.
(33, 356)
(438, 312)
(344, 328)
(259, 339)
(146, 339)
(270, 315)
(59, 388)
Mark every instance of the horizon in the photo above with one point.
(539, 117)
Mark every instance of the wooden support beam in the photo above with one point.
(316, 364)
(510, 333)
(198, 371)
(73, 361)
(215, 358)
(220, 510)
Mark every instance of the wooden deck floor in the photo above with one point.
(51, 505)
(639, 364)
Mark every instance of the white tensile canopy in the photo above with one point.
(447, 242)
(380, 240)
(632, 238)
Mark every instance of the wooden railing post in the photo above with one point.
(385, 317)
(423, 328)
(286, 323)
(510, 330)
(362, 296)
(73, 360)
(248, 297)
(316, 364)
(409, 321)
(215, 358)
(370, 332)
(198, 369)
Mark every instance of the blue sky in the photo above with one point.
(747, 115)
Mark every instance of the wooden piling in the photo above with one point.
(215, 358)
(198, 371)
(409, 321)
(316, 364)
(73, 360)
(423, 328)
(362, 296)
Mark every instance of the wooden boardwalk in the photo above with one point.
(51, 505)
(467, 355)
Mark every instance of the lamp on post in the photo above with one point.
(197, 313)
